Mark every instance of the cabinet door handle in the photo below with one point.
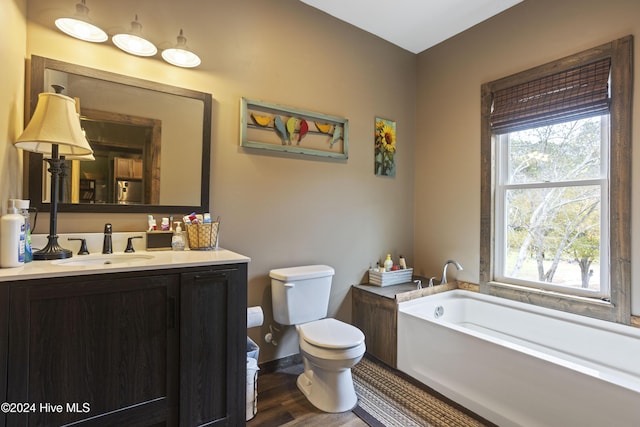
(171, 312)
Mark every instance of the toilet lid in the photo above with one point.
(331, 333)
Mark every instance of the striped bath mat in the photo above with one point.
(386, 399)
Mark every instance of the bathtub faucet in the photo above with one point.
(444, 270)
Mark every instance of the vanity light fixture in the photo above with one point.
(180, 55)
(80, 26)
(133, 42)
(54, 131)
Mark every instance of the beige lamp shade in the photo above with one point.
(54, 121)
(83, 158)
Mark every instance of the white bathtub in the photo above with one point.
(520, 365)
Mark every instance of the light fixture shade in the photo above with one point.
(82, 158)
(80, 26)
(54, 121)
(180, 55)
(133, 42)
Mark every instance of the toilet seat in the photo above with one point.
(331, 334)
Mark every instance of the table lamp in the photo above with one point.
(54, 131)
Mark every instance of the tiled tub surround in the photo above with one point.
(517, 364)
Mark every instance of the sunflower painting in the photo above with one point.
(385, 148)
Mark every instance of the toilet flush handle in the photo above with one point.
(289, 285)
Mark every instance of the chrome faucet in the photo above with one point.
(418, 283)
(444, 270)
(107, 246)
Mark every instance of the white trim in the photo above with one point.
(500, 217)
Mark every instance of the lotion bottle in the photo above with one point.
(388, 263)
(403, 263)
(12, 238)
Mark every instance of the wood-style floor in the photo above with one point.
(280, 403)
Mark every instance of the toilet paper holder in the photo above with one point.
(269, 336)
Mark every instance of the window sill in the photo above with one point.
(590, 307)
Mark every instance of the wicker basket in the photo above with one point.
(203, 237)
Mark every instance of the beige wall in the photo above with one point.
(280, 210)
(13, 42)
(447, 196)
(286, 210)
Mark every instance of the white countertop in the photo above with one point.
(150, 260)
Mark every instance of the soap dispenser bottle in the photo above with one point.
(12, 238)
(22, 208)
(177, 240)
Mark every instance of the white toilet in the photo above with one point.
(329, 347)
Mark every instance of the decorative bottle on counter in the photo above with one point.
(177, 240)
(22, 207)
(388, 263)
(12, 238)
(403, 263)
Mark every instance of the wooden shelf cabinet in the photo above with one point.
(377, 317)
(375, 312)
(125, 168)
(87, 190)
(139, 348)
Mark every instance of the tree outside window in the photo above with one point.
(552, 193)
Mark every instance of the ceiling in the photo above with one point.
(414, 25)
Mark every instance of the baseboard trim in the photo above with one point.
(279, 364)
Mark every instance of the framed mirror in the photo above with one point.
(151, 143)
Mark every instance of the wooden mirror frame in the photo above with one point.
(33, 162)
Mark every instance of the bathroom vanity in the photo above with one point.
(156, 341)
(375, 312)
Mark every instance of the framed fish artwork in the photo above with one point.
(275, 127)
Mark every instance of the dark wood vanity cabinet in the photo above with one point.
(213, 347)
(146, 348)
(4, 338)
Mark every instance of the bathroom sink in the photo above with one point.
(102, 260)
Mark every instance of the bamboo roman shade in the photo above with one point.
(568, 95)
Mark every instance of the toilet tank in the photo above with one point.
(300, 294)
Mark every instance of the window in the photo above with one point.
(551, 207)
(555, 226)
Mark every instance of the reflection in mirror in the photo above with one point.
(150, 141)
(126, 169)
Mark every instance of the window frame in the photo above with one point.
(618, 308)
(500, 213)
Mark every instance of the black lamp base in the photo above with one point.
(52, 251)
